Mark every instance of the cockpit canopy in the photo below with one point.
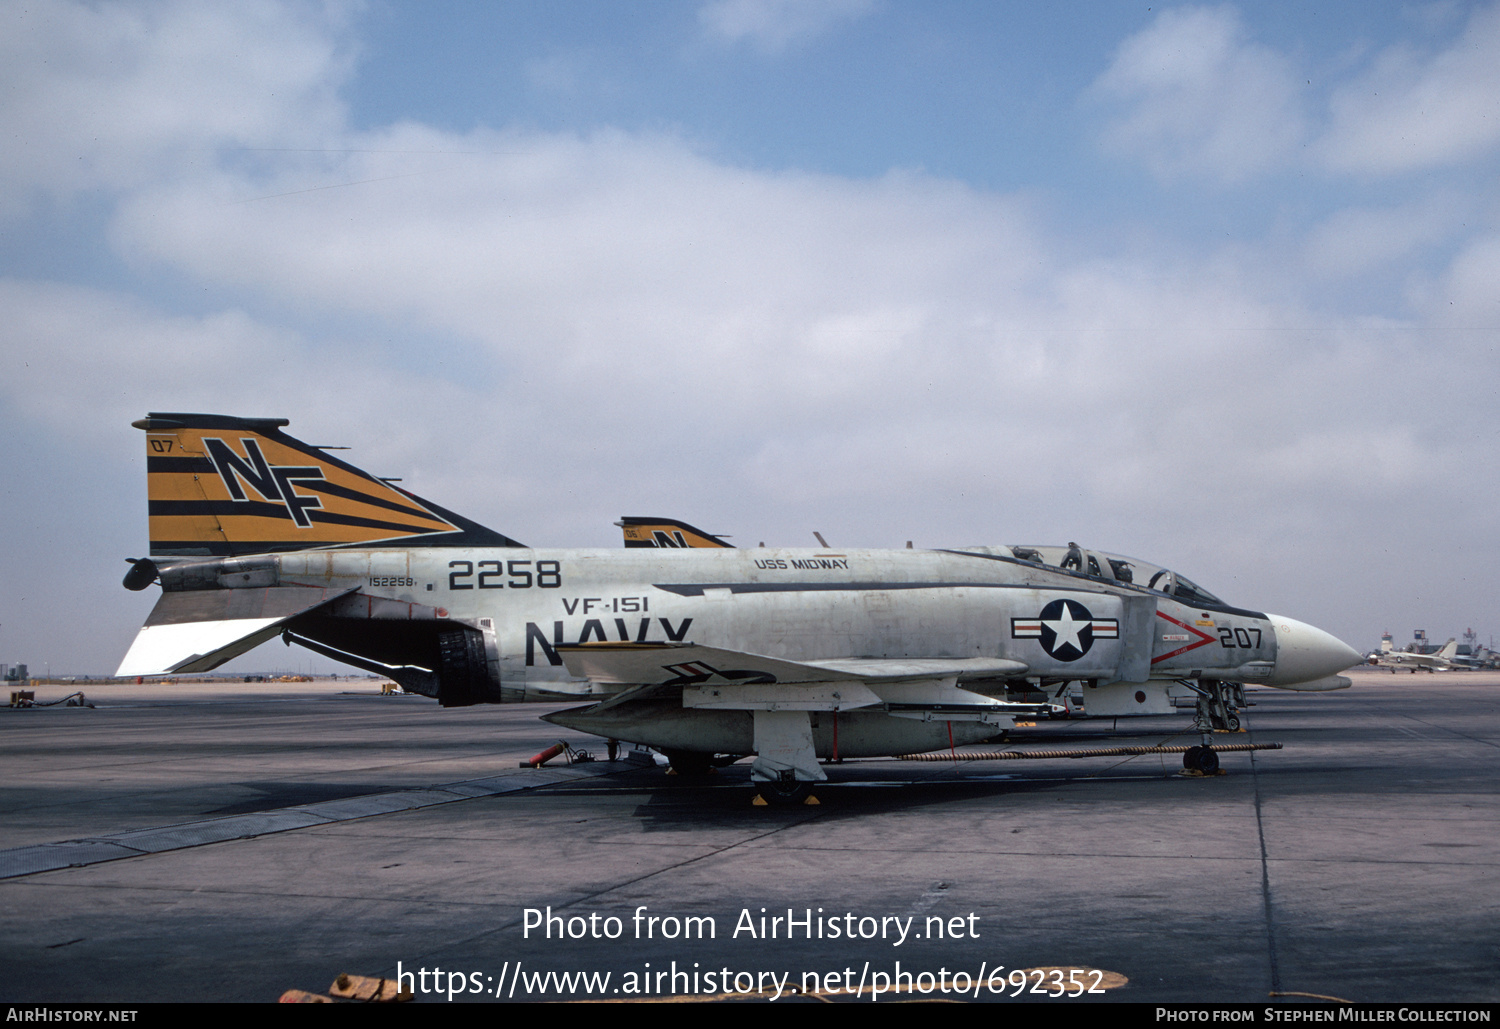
(1096, 564)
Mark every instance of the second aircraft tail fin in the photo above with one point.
(667, 532)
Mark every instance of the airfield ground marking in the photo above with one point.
(91, 850)
(807, 816)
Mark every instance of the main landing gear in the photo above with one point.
(690, 764)
(786, 791)
(786, 767)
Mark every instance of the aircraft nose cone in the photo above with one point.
(1305, 653)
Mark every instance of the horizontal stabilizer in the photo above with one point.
(198, 630)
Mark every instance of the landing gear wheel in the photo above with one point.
(785, 792)
(690, 763)
(1233, 723)
(1201, 759)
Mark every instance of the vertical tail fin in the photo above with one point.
(667, 532)
(224, 486)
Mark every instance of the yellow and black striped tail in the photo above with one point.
(666, 532)
(223, 486)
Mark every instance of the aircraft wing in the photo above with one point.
(683, 664)
(715, 679)
(689, 664)
(198, 630)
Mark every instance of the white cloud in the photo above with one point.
(1468, 294)
(86, 362)
(1192, 96)
(1358, 240)
(794, 340)
(804, 340)
(628, 258)
(1197, 98)
(773, 26)
(1413, 110)
(111, 95)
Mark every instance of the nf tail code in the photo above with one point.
(221, 486)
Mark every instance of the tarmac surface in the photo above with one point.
(229, 842)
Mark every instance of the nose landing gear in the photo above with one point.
(1201, 759)
(1218, 711)
(1218, 705)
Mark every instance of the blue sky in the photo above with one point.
(1215, 285)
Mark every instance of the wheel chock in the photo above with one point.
(369, 989)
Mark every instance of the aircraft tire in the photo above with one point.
(690, 763)
(1208, 761)
(1190, 758)
(785, 794)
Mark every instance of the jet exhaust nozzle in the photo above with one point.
(143, 573)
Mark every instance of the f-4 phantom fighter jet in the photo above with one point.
(789, 654)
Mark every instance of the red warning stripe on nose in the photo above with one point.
(1203, 638)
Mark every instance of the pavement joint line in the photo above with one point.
(93, 850)
(1450, 729)
(1268, 908)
